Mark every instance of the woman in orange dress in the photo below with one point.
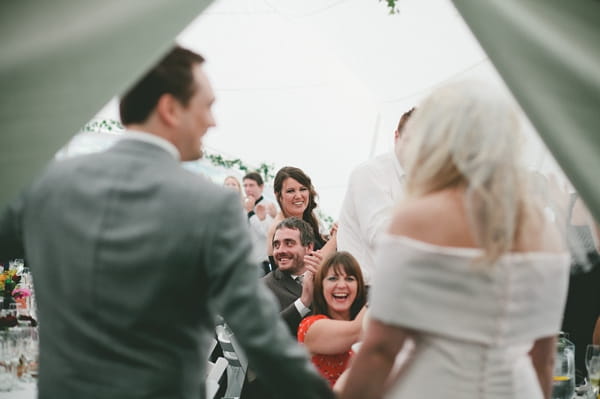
(338, 308)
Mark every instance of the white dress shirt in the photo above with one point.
(374, 188)
(302, 310)
(258, 232)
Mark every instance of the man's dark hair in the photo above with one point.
(403, 119)
(254, 176)
(306, 232)
(173, 75)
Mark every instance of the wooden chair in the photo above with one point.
(236, 359)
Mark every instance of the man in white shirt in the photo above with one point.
(374, 188)
(260, 217)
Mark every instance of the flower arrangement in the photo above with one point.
(12, 292)
(8, 283)
(21, 293)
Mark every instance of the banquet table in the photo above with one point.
(24, 390)
(29, 391)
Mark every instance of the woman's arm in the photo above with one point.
(330, 246)
(332, 337)
(542, 356)
(372, 365)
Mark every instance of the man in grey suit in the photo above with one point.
(133, 256)
(292, 281)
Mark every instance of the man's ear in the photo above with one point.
(167, 109)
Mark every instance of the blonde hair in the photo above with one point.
(467, 135)
(238, 186)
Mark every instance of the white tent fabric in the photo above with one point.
(318, 84)
(62, 60)
(547, 52)
(321, 84)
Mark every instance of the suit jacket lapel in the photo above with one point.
(288, 283)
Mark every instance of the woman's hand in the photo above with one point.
(312, 261)
(271, 210)
(334, 229)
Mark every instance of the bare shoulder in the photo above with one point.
(438, 218)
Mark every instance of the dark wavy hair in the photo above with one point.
(339, 261)
(302, 178)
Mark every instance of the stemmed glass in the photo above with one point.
(592, 363)
(29, 353)
(8, 354)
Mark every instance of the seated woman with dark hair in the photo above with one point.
(339, 299)
(296, 197)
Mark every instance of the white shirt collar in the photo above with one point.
(152, 139)
(298, 276)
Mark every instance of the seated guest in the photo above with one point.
(296, 197)
(293, 251)
(470, 271)
(233, 183)
(339, 299)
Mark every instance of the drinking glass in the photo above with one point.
(8, 375)
(29, 353)
(592, 363)
(23, 315)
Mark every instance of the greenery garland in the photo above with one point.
(392, 6)
(264, 169)
(103, 125)
(114, 126)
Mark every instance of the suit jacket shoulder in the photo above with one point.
(286, 290)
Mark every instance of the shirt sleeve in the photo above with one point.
(303, 310)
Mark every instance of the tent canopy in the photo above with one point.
(321, 84)
(315, 84)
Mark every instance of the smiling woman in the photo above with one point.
(296, 197)
(339, 300)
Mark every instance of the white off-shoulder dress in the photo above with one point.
(475, 324)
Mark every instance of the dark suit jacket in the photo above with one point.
(286, 290)
(132, 256)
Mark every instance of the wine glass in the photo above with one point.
(592, 363)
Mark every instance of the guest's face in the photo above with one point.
(252, 189)
(232, 183)
(288, 250)
(195, 119)
(339, 291)
(294, 197)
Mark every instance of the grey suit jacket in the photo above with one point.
(132, 256)
(286, 290)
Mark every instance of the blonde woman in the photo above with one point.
(470, 271)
